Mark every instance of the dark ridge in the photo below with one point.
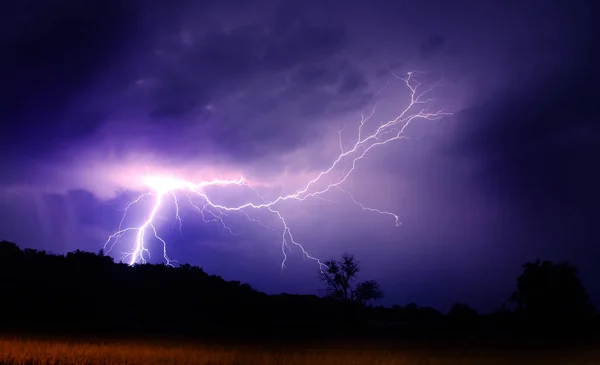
(89, 295)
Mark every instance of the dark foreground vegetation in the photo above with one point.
(85, 295)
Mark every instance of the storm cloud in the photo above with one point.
(95, 93)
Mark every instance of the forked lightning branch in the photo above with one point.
(181, 191)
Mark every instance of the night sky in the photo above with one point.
(92, 93)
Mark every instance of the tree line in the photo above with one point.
(88, 292)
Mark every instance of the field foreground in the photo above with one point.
(20, 351)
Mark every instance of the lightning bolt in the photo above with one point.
(165, 187)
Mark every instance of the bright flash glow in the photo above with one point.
(170, 187)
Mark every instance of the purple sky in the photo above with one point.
(93, 94)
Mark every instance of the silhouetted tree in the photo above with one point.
(367, 291)
(551, 292)
(341, 281)
(339, 275)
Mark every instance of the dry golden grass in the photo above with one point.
(16, 351)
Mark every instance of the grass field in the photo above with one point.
(20, 351)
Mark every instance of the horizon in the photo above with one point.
(504, 305)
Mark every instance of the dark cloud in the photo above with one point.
(431, 46)
(537, 147)
(219, 62)
(51, 52)
(550, 121)
(250, 77)
(312, 74)
(166, 88)
(351, 83)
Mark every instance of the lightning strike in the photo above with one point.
(163, 187)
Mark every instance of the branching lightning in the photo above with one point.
(195, 193)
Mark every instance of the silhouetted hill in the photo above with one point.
(89, 292)
(83, 292)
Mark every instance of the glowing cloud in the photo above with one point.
(196, 194)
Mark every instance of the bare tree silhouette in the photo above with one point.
(340, 278)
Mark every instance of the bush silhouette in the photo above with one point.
(550, 296)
